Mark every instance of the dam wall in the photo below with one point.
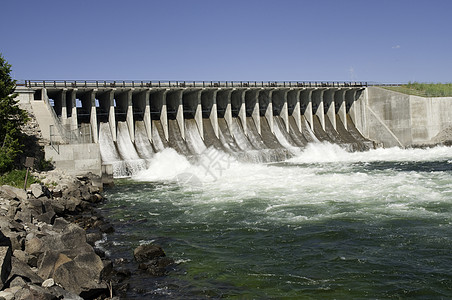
(119, 126)
(400, 120)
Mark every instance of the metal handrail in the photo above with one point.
(183, 84)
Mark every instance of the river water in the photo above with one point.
(325, 224)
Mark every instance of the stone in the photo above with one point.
(17, 281)
(93, 237)
(47, 217)
(7, 295)
(34, 246)
(82, 276)
(5, 258)
(50, 261)
(23, 270)
(36, 190)
(48, 283)
(148, 252)
(13, 192)
(23, 216)
(34, 292)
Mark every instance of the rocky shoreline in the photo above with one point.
(47, 243)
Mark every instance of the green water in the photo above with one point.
(354, 226)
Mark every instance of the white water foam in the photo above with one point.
(332, 153)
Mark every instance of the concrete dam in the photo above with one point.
(117, 127)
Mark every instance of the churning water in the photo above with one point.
(325, 224)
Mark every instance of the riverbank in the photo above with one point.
(48, 242)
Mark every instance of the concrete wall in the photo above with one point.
(76, 159)
(396, 119)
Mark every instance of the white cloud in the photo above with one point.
(396, 47)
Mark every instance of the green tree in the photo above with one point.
(12, 117)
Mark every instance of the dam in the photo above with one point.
(115, 127)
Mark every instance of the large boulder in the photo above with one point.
(13, 192)
(152, 259)
(148, 252)
(82, 275)
(5, 258)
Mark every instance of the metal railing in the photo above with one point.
(64, 135)
(182, 84)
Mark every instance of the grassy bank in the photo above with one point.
(424, 89)
(16, 178)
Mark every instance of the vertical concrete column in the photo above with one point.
(306, 102)
(238, 103)
(62, 99)
(330, 110)
(129, 116)
(164, 114)
(284, 113)
(293, 103)
(318, 108)
(265, 102)
(157, 103)
(252, 103)
(213, 116)
(350, 102)
(224, 106)
(339, 100)
(209, 107)
(228, 112)
(191, 100)
(174, 100)
(93, 115)
(111, 114)
(74, 121)
(198, 114)
(147, 115)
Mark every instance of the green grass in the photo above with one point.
(16, 178)
(424, 89)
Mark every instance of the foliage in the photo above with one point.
(16, 178)
(425, 89)
(12, 117)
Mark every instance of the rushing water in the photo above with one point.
(326, 224)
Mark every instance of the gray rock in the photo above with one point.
(48, 283)
(34, 292)
(148, 252)
(36, 190)
(23, 270)
(82, 275)
(34, 246)
(18, 281)
(13, 193)
(5, 259)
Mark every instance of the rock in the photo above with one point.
(51, 260)
(23, 270)
(48, 283)
(23, 216)
(148, 252)
(82, 276)
(13, 193)
(34, 292)
(63, 294)
(93, 237)
(7, 295)
(5, 258)
(72, 203)
(106, 228)
(36, 190)
(34, 246)
(157, 266)
(17, 281)
(47, 217)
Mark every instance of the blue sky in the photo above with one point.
(379, 41)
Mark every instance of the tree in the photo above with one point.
(12, 117)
